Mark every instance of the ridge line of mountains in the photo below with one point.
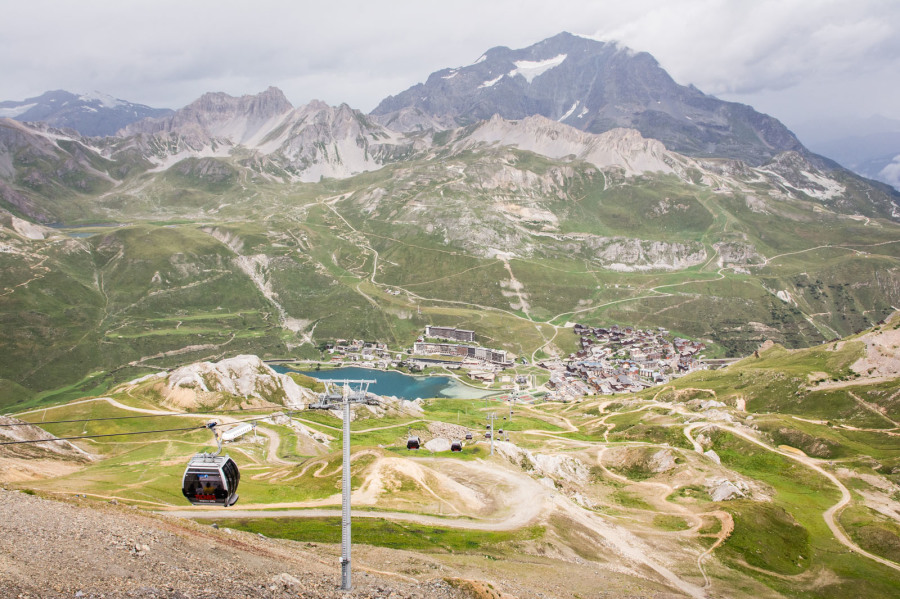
(586, 84)
(570, 81)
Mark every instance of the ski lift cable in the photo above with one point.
(168, 430)
(132, 417)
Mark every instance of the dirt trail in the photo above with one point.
(830, 513)
(690, 429)
(522, 500)
(727, 528)
(274, 443)
(872, 408)
(628, 545)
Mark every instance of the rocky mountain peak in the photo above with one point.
(217, 114)
(593, 86)
(267, 104)
(315, 104)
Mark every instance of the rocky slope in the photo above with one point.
(242, 376)
(75, 549)
(27, 461)
(306, 143)
(622, 149)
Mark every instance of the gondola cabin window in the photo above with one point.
(211, 481)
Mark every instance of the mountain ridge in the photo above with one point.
(595, 86)
(303, 143)
(94, 114)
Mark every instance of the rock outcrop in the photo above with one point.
(243, 376)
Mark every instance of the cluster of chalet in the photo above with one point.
(622, 359)
(481, 362)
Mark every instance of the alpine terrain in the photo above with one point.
(684, 321)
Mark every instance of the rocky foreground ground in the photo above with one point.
(87, 549)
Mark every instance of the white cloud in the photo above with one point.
(168, 52)
(891, 173)
(742, 47)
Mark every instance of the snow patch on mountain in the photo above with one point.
(491, 82)
(568, 113)
(530, 69)
(166, 162)
(105, 100)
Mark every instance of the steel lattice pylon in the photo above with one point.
(330, 399)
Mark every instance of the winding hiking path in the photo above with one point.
(830, 514)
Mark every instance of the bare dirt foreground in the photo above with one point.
(55, 549)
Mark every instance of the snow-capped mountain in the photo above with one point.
(93, 114)
(593, 86)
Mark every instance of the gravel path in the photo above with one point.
(85, 549)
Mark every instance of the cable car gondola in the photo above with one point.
(456, 446)
(412, 443)
(210, 478)
(468, 436)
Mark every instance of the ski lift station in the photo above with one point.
(237, 432)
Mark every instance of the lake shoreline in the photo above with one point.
(400, 383)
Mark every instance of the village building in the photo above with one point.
(620, 359)
(485, 354)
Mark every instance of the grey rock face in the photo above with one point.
(593, 86)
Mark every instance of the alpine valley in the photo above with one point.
(571, 180)
(154, 263)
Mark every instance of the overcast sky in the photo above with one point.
(795, 59)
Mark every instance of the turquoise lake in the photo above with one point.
(395, 383)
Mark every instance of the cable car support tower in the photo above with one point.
(344, 392)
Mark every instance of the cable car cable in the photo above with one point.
(168, 430)
(24, 423)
